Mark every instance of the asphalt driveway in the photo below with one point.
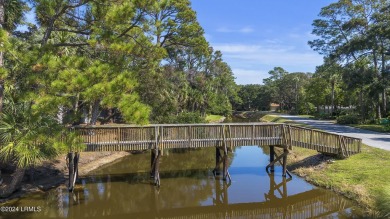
(371, 138)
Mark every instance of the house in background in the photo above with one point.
(274, 107)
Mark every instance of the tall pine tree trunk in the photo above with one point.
(362, 110)
(94, 112)
(384, 98)
(332, 98)
(2, 17)
(378, 76)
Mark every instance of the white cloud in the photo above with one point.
(230, 30)
(246, 30)
(271, 55)
(246, 76)
(237, 48)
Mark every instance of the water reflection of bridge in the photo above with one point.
(314, 203)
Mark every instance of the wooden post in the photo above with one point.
(152, 162)
(225, 166)
(157, 169)
(153, 154)
(71, 171)
(76, 167)
(217, 169)
(73, 162)
(285, 162)
(189, 136)
(253, 135)
(155, 166)
(272, 157)
(118, 136)
(311, 139)
(225, 159)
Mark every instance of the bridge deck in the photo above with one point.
(222, 136)
(129, 137)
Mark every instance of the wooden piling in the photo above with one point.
(285, 162)
(73, 168)
(218, 160)
(152, 162)
(272, 157)
(71, 171)
(157, 170)
(225, 167)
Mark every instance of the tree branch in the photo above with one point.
(70, 44)
(73, 31)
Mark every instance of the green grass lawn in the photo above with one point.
(275, 118)
(278, 119)
(363, 177)
(213, 118)
(372, 127)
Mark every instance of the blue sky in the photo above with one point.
(257, 35)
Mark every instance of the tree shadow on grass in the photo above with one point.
(317, 161)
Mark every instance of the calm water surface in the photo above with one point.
(189, 190)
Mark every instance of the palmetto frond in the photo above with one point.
(27, 138)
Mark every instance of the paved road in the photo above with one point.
(374, 139)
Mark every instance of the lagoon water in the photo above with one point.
(188, 189)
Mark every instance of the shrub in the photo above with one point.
(307, 108)
(323, 116)
(348, 119)
(184, 117)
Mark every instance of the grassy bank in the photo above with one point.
(275, 118)
(214, 118)
(362, 177)
(373, 127)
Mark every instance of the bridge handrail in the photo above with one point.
(174, 125)
(204, 135)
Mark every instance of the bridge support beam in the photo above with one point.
(218, 161)
(225, 163)
(73, 167)
(282, 157)
(155, 166)
(272, 157)
(284, 163)
(225, 167)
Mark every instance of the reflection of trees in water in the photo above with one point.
(126, 196)
(172, 159)
(122, 195)
(186, 185)
(184, 159)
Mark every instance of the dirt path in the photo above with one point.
(371, 138)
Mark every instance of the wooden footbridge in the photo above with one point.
(222, 136)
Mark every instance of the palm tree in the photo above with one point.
(26, 139)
